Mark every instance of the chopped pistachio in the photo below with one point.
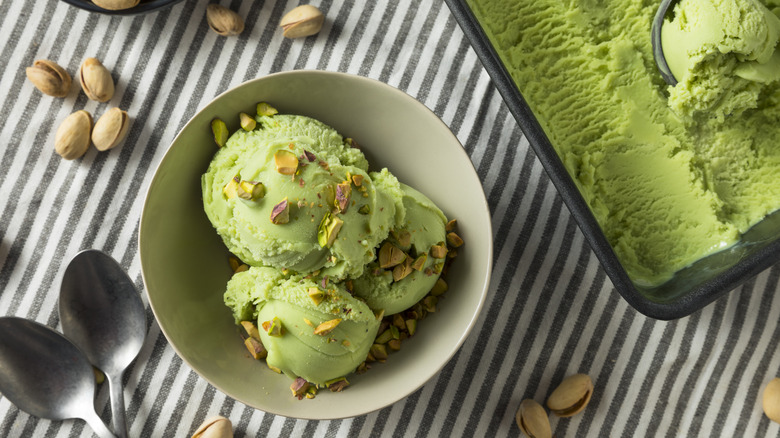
(379, 314)
(316, 295)
(274, 327)
(419, 262)
(251, 329)
(243, 267)
(327, 327)
(357, 180)
(402, 270)
(454, 240)
(404, 238)
(394, 332)
(439, 288)
(250, 190)
(437, 268)
(364, 209)
(264, 109)
(439, 251)
(451, 225)
(248, 122)
(256, 348)
(281, 213)
(231, 188)
(286, 162)
(299, 387)
(234, 262)
(398, 321)
(379, 352)
(220, 130)
(343, 192)
(390, 255)
(337, 385)
(328, 230)
(309, 323)
(452, 253)
(351, 143)
(311, 392)
(274, 369)
(346, 343)
(411, 326)
(362, 368)
(309, 156)
(429, 303)
(384, 337)
(394, 344)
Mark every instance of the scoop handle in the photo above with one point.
(98, 426)
(117, 406)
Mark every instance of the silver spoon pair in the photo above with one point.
(49, 375)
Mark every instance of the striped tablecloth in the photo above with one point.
(550, 312)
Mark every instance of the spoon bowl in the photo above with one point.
(45, 375)
(655, 38)
(102, 313)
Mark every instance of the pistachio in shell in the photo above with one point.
(224, 21)
(116, 5)
(110, 129)
(532, 420)
(771, 400)
(215, 427)
(96, 80)
(302, 21)
(72, 138)
(571, 396)
(49, 78)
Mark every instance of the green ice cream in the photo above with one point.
(423, 228)
(723, 54)
(323, 211)
(666, 189)
(304, 347)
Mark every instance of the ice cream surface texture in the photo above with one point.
(666, 188)
(723, 54)
(305, 235)
(320, 334)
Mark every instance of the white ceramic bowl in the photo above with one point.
(184, 261)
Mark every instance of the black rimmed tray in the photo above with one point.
(691, 288)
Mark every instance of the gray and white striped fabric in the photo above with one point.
(550, 312)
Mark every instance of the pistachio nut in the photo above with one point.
(532, 419)
(49, 77)
(224, 21)
(116, 5)
(215, 427)
(248, 122)
(72, 138)
(302, 21)
(571, 396)
(220, 131)
(96, 80)
(771, 400)
(110, 129)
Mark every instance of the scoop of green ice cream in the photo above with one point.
(423, 228)
(723, 54)
(318, 209)
(324, 334)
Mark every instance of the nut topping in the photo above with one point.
(264, 109)
(328, 230)
(281, 213)
(286, 162)
(248, 122)
(327, 327)
(219, 128)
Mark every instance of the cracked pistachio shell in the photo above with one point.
(303, 21)
(571, 396)
(49, 77)
(96, 80)
(110, 129)
(116, 5)
(532, 420)
(224, 21)
(72, 138)
(215, 427)
(771, 400)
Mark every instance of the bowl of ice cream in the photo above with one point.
(142, 7)
(302, 214)
(675, 188)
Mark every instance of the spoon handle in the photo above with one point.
(117, 405)
(98, 426)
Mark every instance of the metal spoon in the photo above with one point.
(655, 38)
(102, 313)
(44, 374)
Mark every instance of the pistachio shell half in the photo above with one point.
(215, 427)
(571, 396)
(224, 21)
(110, 129)
(771, 400)
(116, 5)
(49, 77)
(302, 21)
(72, 138)
(96, 80)
(532, 419)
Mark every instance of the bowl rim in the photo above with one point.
(429, 373)
(697, 297)
(140, 8)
